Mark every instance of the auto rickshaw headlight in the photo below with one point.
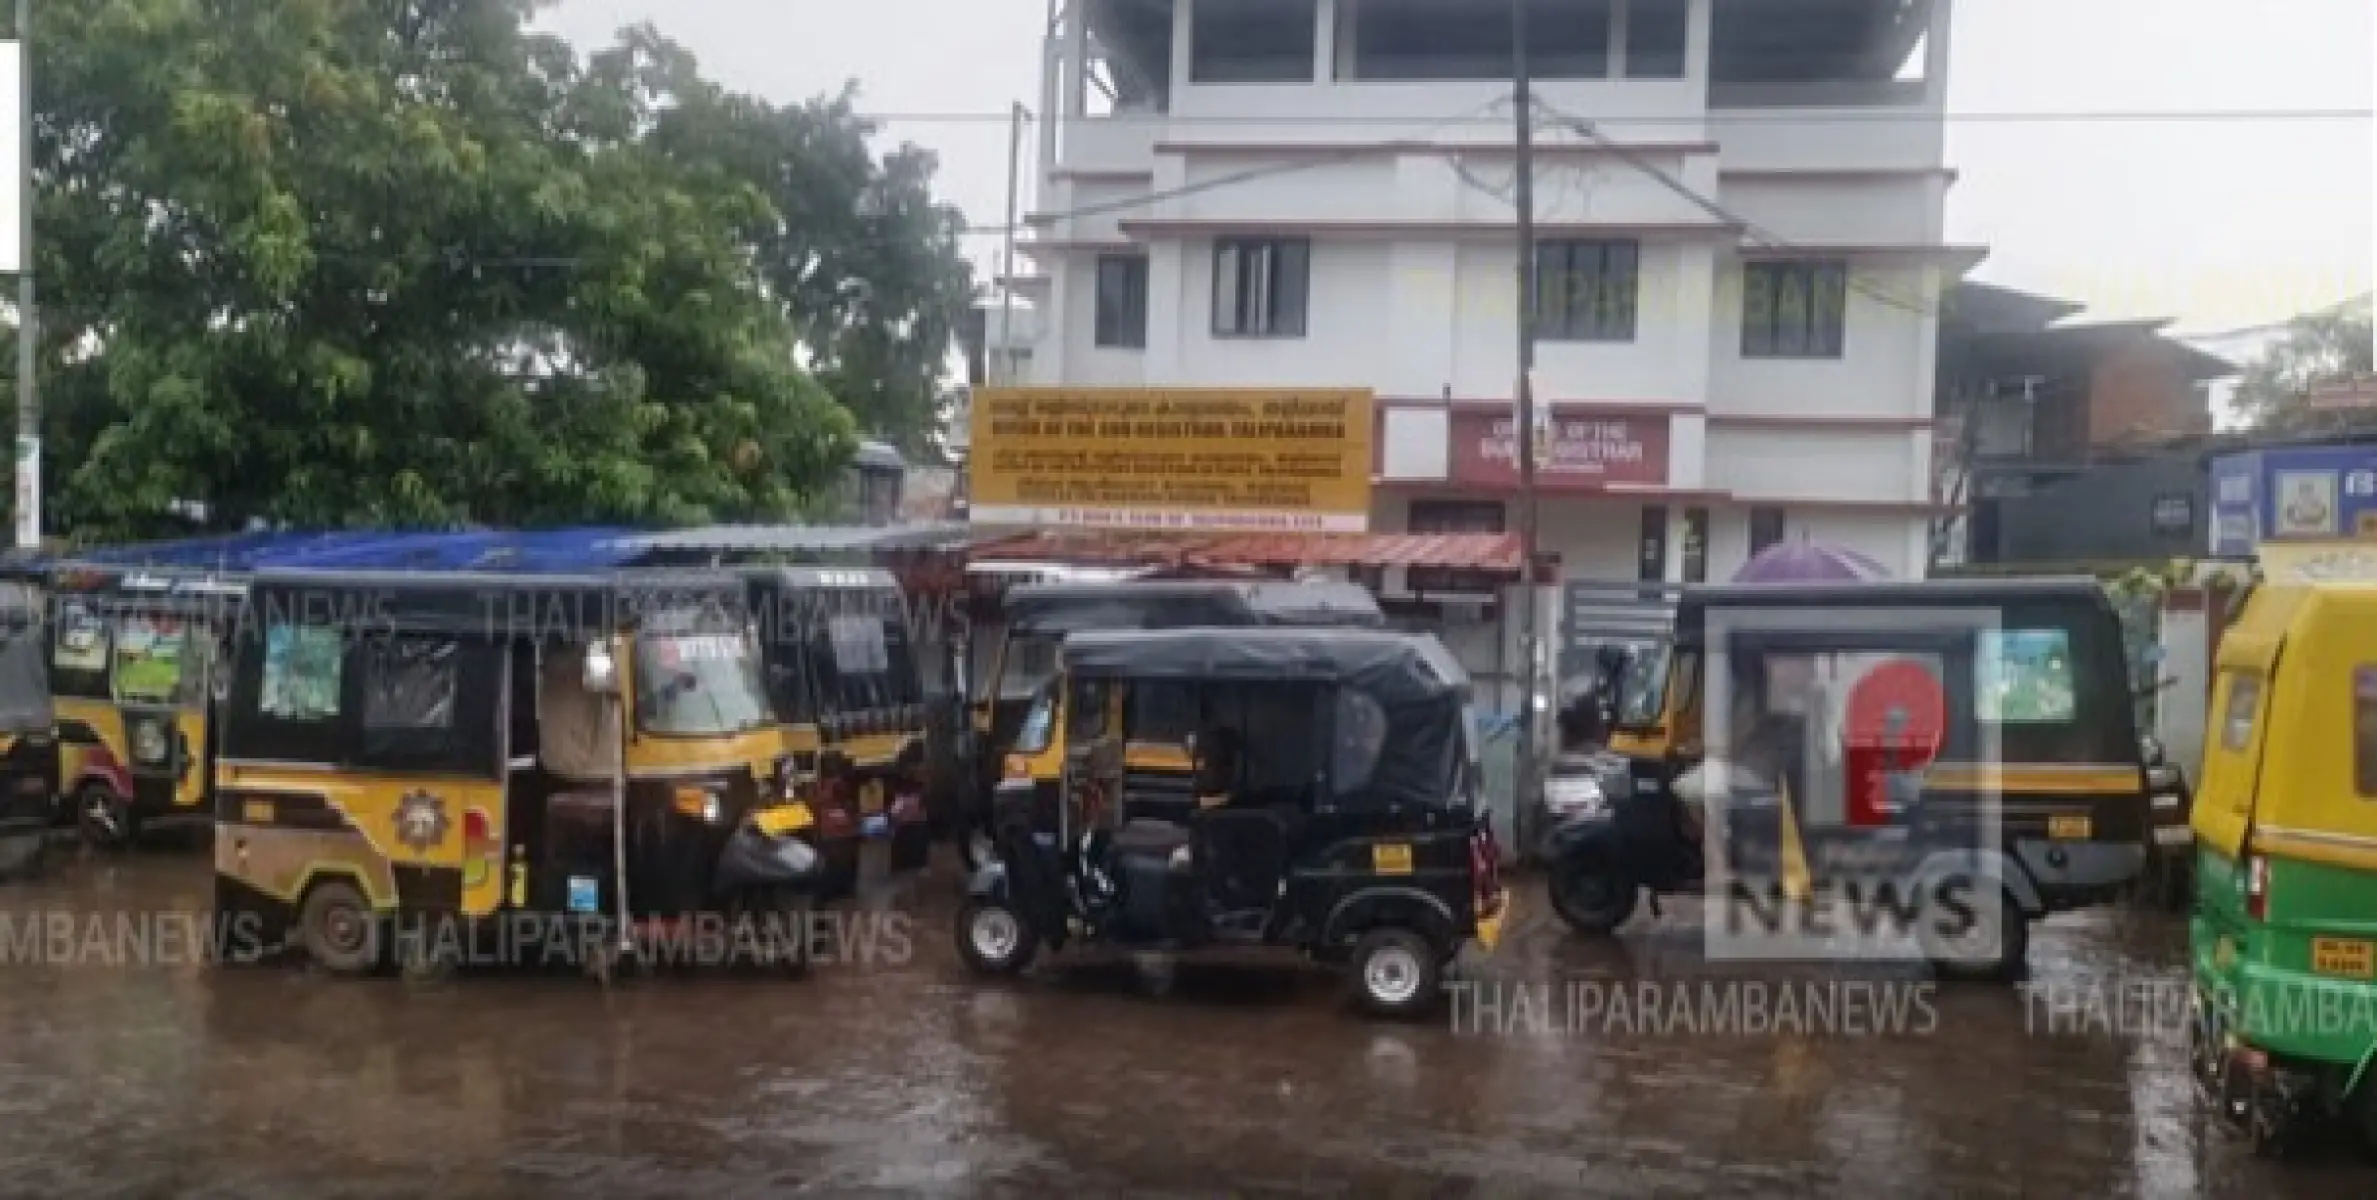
(148, 742)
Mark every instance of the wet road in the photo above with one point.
(1558, 1074)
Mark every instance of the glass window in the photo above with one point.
(1122, 301)
(1585, 290)
(82, 640)
(1087, 720)
(696, 684)
(2236, 723)
(150, 659)
(1766, 528)
(2364, 730)
(1794, 309)
(1039, 724)
(409, 683)
(1361, 733)
(2026, 677)
(1031, 662)
(1259, 286)
(303, 669)
(864, 662)
(1252, 41)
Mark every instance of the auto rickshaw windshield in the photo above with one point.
(698, 683)
(162, 660)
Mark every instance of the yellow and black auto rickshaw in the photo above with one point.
(2013, 771)
(28, 745)
(844, 677)
(1033, 623)
(1335, 812)
(450, 759)
(135, 667)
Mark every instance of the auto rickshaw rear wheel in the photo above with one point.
(1395, 972)
(338, 928)
(994, 938)
(104, 817)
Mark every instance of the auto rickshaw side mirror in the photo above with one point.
(601, 669)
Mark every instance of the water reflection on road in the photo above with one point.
(1576, 1068)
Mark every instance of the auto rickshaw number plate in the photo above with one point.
(1391, 858)
(2348, 957)
(870, 797)
(256, 812)
(2070, 827)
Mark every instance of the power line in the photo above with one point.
(1727, 116)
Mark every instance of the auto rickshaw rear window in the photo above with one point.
(304, 666)
(2026, 677)
(408, 683)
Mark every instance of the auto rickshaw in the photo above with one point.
(450, 758)
(1034, 621)
(2284, 934)
(843, 675)
(135, 664)
(2037, 683)
(28, 742)
(1335, 812)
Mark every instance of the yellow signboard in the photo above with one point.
(1269, 459)
(2315, 562)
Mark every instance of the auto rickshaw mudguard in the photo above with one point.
(1580, 833)
(754, 859)
(989, 881)
(1370, 907)
(1991, 866)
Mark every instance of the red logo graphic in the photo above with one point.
(1896, 720)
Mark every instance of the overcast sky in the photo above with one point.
(2218, 223)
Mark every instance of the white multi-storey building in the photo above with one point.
(1739, 206)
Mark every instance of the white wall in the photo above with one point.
(1828, 210)
(1666, 361)
(1342, 331)
(1766, 464)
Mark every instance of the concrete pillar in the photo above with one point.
(1936, 40)
(1696, 39)
(1076, 62)
(1324, 41)
(1616, 63)
(1184, 23)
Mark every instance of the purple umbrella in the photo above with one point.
(1802, 561)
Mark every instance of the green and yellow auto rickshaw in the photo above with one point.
(2284, 936)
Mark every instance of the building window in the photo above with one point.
(1259, 285)
(1655, 35)
(1252, 41)
(1794, 309)
(1585, 290)
(1766, 528)
(1695, 545)
(1652, 555)
(1453, 516)
(1122, 301)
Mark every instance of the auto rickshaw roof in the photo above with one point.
(1189, 603)
(1899, 594)
(823, 579)
(498, 604)
(1405, 665)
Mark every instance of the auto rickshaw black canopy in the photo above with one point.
(1420, 692)
(1060, 608)
(503, 606)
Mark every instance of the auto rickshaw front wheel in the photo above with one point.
(994, 938)
(1394, 972)
(338, 928)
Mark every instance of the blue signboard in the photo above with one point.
(2291, 494)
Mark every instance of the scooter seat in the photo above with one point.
(1143, 837)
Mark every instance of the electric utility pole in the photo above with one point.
(1530, 649)
(28, 473)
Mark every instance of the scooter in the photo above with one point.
(1614, 839)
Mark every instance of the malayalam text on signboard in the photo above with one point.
(1157, 458)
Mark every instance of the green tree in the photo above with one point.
(395, 262)
(2319, 347)
(867, 265)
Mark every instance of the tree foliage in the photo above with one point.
(2318, 348)
(408, 262)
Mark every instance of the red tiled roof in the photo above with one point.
(1487, 552)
